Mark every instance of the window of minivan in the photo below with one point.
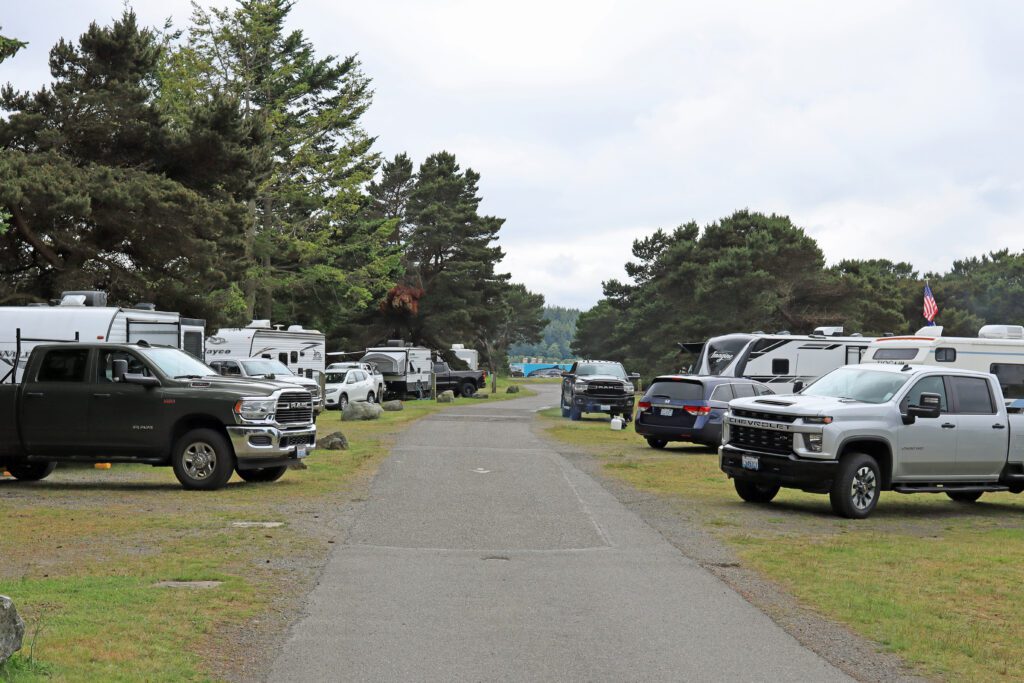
(676, 391)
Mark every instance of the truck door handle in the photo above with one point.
(101, 395)
(34, 394)
(948, 425)
(998, 426)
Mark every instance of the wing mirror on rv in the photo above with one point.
(929, 406)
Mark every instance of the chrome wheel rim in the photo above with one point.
(864, 488)
(199, 460)
(343, 401)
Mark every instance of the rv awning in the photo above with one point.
(691, 347)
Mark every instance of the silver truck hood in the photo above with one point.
(805, 406)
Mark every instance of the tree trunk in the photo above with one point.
(267, 305)
(251, 279)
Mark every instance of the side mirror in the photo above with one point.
(142, 380)
(798, 386)
(119, 369)
(633, 375)
(929, 406)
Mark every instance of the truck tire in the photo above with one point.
(203, 460)
(467, 389)
(31, 471)
(855, 490)
(752, 492)
(964, 496)
(263, 474)
(656, 443)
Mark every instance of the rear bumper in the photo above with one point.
(257, 447)
(788, 471)
(710, 433)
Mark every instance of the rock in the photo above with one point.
(480, 396)
(514, 389)
(446, 396)
(335, 441)
(361, 410)
(12, 629)
(393, 406)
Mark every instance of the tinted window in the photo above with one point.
(720, 353)
(743, 390)
(895, 354)
(946, 355)
(780, 366)
(295, 356)
(972, 395)
(1011, 378)
(677, 391)
(723, 392)
(928, 385)
(336, 377)
(283, 357)
(63, 365)
(105, 369)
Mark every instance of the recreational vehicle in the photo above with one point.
(470, 357)
(85, 317)
(998, 349)
(407, 369)
(300, 350)
(785, 362)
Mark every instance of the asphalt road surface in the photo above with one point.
(481, 554)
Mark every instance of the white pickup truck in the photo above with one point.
(864, 429)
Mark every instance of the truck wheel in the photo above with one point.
(262, 474)
(575, 413)
(752, 492)
(855, 491)
(31, 471)
(467, 389)
(964, 496)
(656, 443)
(203, 460)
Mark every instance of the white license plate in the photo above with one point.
(605, 407)
(667, 412)
(300, 452)
(751, 462)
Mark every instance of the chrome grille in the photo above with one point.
(605, 389)
(768, 440)
(295, 407)
(758, 415)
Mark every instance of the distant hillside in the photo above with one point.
(558, 336)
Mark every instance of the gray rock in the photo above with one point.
(335, 441)
(361, 410)
(393, 406)
(446, 396)
(514, 389)
(12, 629)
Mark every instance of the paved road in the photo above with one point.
(483, 555)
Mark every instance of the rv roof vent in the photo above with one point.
(295, 328)
(888, 334)
(757, 332)
(395, 342)
(1001, 332)
(84, 298)
(856, 334)
(144, 307)
(262, 324)
(783, 332)
(829, 331)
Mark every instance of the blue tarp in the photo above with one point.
(527, 368)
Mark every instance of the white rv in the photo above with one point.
(302, 351)
(785, 362)
(998, 349)
(407, 370)
(470, 356)
(85, 316)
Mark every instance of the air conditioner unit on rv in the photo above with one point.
(1001, 332)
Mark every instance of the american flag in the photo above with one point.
(931, 309)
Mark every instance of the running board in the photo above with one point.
(949, 488)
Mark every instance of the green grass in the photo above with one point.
(80, 554)
(935, 581)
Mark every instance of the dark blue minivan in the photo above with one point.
(690, 407)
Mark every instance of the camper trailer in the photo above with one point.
(470, 356)
(407, 369)
(785, 362)
(998, 349)
(85, 316)
(302, 351)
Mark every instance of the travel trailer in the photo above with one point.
(998, 349)
(470, 356)
(302, 351)
(407, 370)
(785, 362)
(85, 316)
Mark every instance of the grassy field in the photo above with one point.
(81, 554)
(935, 581)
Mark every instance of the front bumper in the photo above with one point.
(785, 470)
(604, 404)
(265, 446)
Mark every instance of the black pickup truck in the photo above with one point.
(462, 382)
(597, 386)
(149, 404)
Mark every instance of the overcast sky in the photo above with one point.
(885, 129)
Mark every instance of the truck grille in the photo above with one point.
(768, 440)
(295, 407)
(605, 389)
(757, 415)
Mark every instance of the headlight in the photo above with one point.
(579, 386)
(256, 408)
(630, 389)
(813, 442)
(818, 420)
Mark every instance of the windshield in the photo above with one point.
(868, 386)
(175, 363)
(336, 377)
(719, 353)
(613, 369)
(254, 368)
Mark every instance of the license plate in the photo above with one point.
(751, 462)
(605, 407)
(666, 412)
(300, 452)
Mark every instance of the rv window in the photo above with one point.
(1011, 378)
(945, 355)
(295, 356)
(972, 396)
(780, 366)
(721, 353)
(64, 365)
(283, 357)
(895, 354)
(193, 344)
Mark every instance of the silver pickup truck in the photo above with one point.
(864, 429)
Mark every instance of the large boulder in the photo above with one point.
(361, 410)
(335, 441)
(12, 629)
(514, 389)
(393, 406)
(446, 396)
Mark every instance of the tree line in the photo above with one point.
(222, 170)
(751, 271)
(556, 339)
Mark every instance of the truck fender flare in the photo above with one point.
(187, 423)
(885, 463)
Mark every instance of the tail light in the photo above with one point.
(697, 410)
(644, 405)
